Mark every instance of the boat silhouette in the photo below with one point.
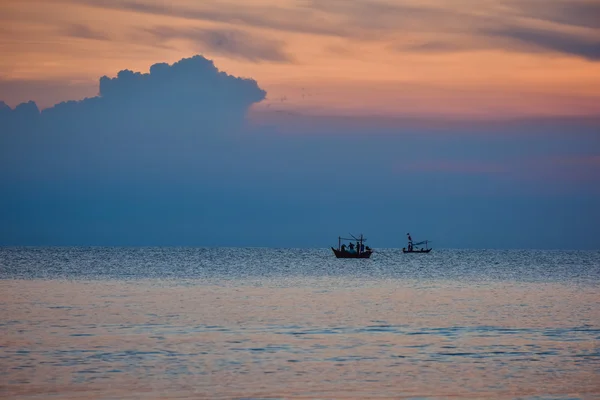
(352, 251)
(412, 249)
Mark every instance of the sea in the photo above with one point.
(263, 323)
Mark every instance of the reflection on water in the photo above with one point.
(297, 324)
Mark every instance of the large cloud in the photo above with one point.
(133, 123)
(191, 90)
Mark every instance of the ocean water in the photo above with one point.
(194, 323)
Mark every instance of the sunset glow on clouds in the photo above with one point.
(490, 59)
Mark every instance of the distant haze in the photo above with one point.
(169, 158)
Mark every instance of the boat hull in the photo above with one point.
(416, 251)
(345, 254)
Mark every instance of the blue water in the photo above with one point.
(298, 323)
(228, 263)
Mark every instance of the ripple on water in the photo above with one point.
(298, 323)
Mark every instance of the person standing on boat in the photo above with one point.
(410, 245)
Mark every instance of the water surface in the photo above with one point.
(294, 323)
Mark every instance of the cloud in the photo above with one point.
(83, 32)
(376, 18)
(467, 27)
(514, 38)
(135, 120)
(440, 16)
(580, 13)
(551, 41)
(300, 20)
(391, 19)
(189, 83)
(226, 42)
(435, 47)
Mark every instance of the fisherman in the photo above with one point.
(351, 247)
(410, 244)
(343, 247)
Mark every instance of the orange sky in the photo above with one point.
(430, 57)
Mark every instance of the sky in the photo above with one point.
(475, 124)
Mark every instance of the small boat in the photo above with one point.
(412, 249)
(352, 251)
(416, 251)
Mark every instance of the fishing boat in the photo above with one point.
(352, 251)
(412, 249)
